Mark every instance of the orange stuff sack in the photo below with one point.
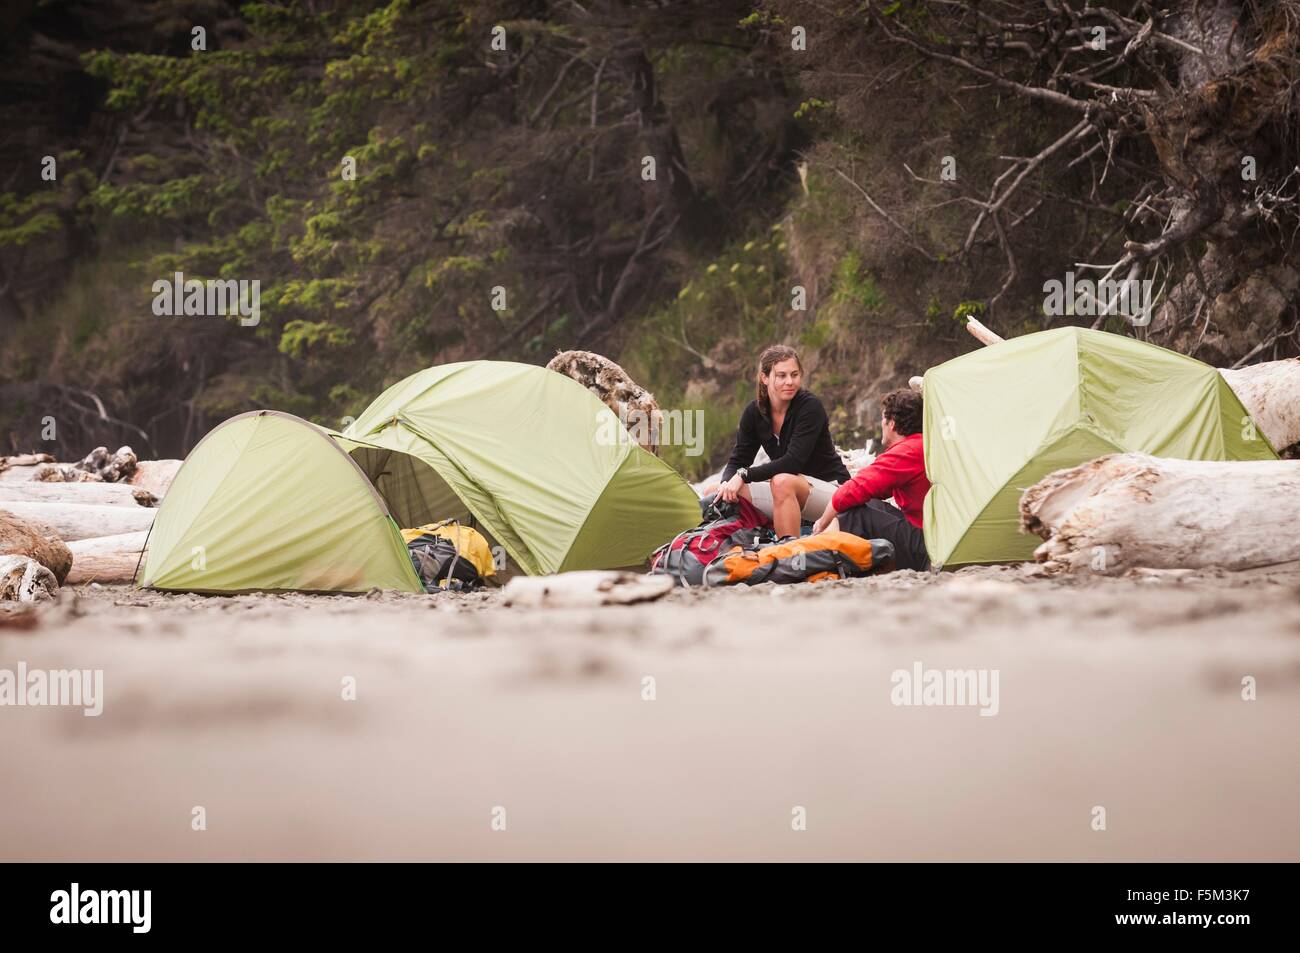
(807, 559)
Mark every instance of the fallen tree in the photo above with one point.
(1130, 510)
(34, 540)
(106, 558)
(104, 568)
(75, 521)
(86, 494)
(106, 545)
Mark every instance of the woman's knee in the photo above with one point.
(786, 485)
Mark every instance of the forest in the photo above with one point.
(672, 184)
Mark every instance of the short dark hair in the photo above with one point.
(905, 408)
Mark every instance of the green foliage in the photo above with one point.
(721, 317)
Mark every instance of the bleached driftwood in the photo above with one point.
(981, 333)
(105, 545)
(104, 567)
(86, 494)
(576, 590)
(25, 460)
(31, 538)
(23, 579)
(1130, 510)
(1270, 392)
(635, 407)
(75, 521)
(155, 475)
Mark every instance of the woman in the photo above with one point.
(791, 425)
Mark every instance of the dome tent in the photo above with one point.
(999, 419)
(269, 501)
(516, 450)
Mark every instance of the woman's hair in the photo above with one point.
(771, 357)
(905, 408)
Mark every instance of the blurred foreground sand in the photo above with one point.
(1114, 692)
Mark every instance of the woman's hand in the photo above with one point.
(731, 489)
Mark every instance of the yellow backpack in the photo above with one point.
(470, 545)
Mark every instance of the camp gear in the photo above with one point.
(449, 556)
(1001, 418)
(528, 457)
(829, 555)
(876, 519)
(725, 525)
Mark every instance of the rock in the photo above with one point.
(19, 537)
(23, 579)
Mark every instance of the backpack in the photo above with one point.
(447, 555)
(806, 559)
(725, 526)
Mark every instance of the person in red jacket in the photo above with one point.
(899, 472)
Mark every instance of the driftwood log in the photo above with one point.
(108, 545)
(91, 494)
(1130, 510)
(103, 568)
(76, 521)
(24, 460)
(155, 476)
(106, 558)
(635, 407)
(595, 587)
(1270, 392)
(98, 466)
(23, 579)
(24, 537)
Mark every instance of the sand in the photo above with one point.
(772, 710)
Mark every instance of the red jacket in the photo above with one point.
(900, 470)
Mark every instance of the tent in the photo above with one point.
(268, 501)
(999, 419)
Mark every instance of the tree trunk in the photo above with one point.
(92, 494)
(103, 568)
(1131, 510)
(102, 545)
(155, 475)
(75, 521)
(1270, 392)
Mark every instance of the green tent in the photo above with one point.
(999, 419)
(531, 458)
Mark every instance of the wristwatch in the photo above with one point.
(743, 473)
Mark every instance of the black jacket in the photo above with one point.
(803, 446)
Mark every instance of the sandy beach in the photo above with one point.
(772, 710)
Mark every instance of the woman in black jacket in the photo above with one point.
(791, 425)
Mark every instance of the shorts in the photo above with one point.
(818, 499)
